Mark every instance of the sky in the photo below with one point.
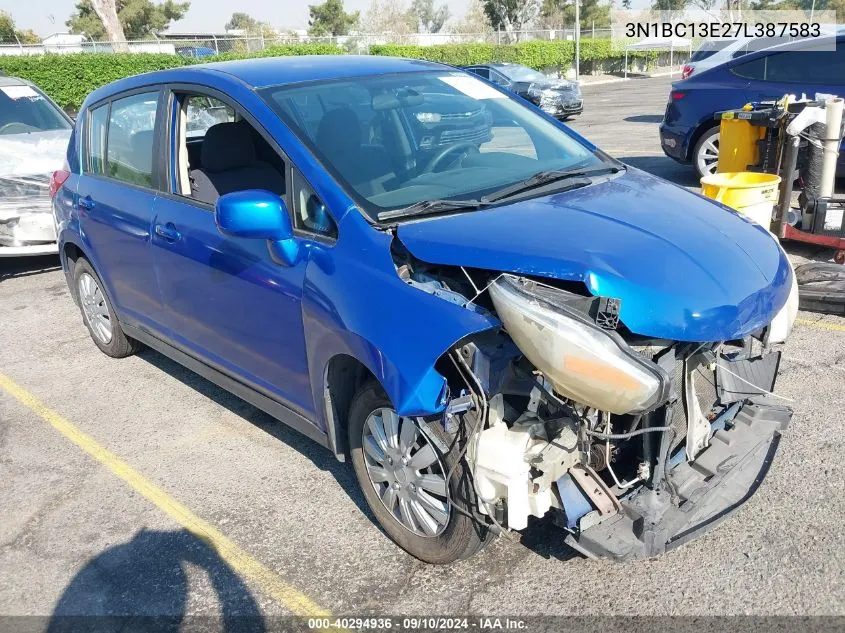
(49, 16)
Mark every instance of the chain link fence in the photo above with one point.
(207, 46)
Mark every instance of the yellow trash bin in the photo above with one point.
(752, 194)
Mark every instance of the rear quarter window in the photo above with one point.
(96, 146)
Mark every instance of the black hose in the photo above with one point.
(625, 436)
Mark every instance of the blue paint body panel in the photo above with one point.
(274, 314)
(685, 268)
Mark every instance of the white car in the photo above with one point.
(34, 134)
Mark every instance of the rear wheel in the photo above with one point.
(98, 314)
(403, 476)
(706, 153)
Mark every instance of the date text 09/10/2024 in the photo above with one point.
(422, 623)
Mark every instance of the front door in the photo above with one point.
(226, 300)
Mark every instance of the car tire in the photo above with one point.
(98, 313)
(705, 156)
(407, 512)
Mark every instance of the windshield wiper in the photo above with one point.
(577, 178)
(424, 207)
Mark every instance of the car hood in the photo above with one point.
(684, 267)
(33, 153)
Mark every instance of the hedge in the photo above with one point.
(539, 54)
(67, 79)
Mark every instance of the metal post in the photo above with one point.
(216, 48)
(594, 29)
(577, 40)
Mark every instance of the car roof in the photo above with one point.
(262, 72)
(13, 81)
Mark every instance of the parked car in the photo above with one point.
(558, 97)
(34, 134)
(689, 133)
(524, 328)
(197, 52)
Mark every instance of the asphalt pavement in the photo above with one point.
(136, 487)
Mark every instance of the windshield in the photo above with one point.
(24, 109)
(401, 139)
(522, 73)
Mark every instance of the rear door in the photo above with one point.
(116, 190)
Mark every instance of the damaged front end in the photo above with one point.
(633, 444)
(26, 217)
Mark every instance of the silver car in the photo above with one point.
(34, 134)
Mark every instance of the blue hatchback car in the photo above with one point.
(689, 133)
(513, 325)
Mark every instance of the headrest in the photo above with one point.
(340, 130)
(227, 146)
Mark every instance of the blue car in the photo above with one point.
(690, 135)
(488, 332)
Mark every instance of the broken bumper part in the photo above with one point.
(697, 495)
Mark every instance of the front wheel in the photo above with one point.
(403, 476)
(706, 153)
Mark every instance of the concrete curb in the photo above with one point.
(618, 79)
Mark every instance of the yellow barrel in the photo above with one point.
(738, 148)
(751, 193)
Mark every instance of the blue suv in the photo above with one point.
(690, 135)
(496, 327)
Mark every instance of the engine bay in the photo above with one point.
(564, 412)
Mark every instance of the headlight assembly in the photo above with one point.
(585, 363)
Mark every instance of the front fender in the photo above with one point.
(354, 303)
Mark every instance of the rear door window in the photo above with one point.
(132, 124)
(203, 112)
(800, 67)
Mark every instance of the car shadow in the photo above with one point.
(11, 267)
(319, 455)
(665, 167)
(143, 585)
(644, 118)
(545, 538)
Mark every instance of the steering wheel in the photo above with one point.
(438, 158)
(22, 127)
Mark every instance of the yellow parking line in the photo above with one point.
(824, 325)
(237, 558)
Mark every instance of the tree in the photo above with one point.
(119, 20)
(429, 19)
(389, 17)
(10, 34)
(511, 15)
(557, 14)
(474, 21)
(245, 22)
(329, 18)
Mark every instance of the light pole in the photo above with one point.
(577, 40)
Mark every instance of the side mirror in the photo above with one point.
(258, 214)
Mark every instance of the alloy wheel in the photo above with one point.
(707, 157)
(406, 472)
(94, 306)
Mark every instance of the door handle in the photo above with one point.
(168, 232)
(86, 203)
